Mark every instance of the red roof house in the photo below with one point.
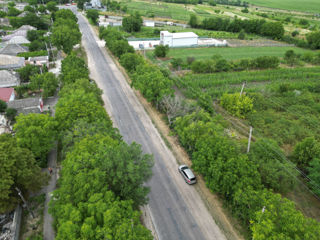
(7, 94)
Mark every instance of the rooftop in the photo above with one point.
(39, 58)
(11, 62)
(18, 40)
(179, 35)
(5, 94)
(8, 79)
(22, 33)
(26, 105)
(13, 49)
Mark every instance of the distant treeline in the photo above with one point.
(183, 1)
(274, 30)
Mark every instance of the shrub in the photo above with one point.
(130, 61)
(245, 10)
(222, 65)
(93, 14)
(242, 35)
(176, 63)
(161, 50)
(295, 33)
(305, 151)
(237, 105)
(265, 62)
(132, 23)
(314, 40)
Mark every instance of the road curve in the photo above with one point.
(176, 209)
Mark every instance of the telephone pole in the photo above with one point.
(244, 83)
(249, 141)
(24, 201)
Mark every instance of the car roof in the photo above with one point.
(189, 173)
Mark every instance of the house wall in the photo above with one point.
(181, 42)
(12, 97)
(167, 40)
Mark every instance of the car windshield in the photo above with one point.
(183, 168)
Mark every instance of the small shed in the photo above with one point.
(183, 39)
(39, 61)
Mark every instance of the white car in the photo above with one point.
(187, 174)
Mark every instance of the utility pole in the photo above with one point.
(249, 141)
(244, 83)
(24, 201)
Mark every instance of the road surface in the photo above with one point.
(176, 210)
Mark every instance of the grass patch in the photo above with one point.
(232, 53)
(298, 5)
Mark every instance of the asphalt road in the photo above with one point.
(176, 209)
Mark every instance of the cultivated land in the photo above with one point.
(297, 5)
(232, 53)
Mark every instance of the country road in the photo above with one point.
(176, 209)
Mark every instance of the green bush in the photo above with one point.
(237, 105)
(161, 50)
(130, 61)
(265, 62)
(305, 151)
(26, 55)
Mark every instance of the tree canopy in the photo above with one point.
(18, 169)
(36, 132)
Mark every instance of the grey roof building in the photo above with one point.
(26, 27)
(18, 40)
(26, 105)
(13, 49)
(11, 62)
(9, 79)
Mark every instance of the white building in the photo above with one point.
(183, 39)
(148, 23)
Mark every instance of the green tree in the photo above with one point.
(65, 37)
(28, 8)
(73, 68)
(2, 14)
(36, 132)
(65, 14)
(52, 6)
(281, 220)
(93, 14)
(193, 21)
(12, 12)
(42, 9)
(11, 4)
(276, 173)
(151, 82)
(290, 57)
(11, 114)
(78, 105)
(305, 151)
(314, 40)
(161, 50)
(18, 169)
(47, 82)
(3, 106)
(27, 72)
(272, 29)
(314, 175)
(132, 23)
(130, 61)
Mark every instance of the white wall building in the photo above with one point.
(148, 23)
(183, 39)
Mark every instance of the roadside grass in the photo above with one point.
(297, 5)
(232, 53)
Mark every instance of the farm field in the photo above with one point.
(286, 100)
(297, 5)
(232, 53)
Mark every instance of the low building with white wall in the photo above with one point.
(182, 39)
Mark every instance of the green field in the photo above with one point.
(232, 53)
(297, 5)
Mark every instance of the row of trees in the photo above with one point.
(245, 181)
(65, 32)
(102, 177)
(274, 30)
